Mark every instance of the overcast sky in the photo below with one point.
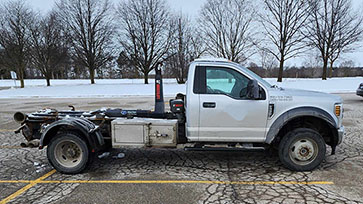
(192, 7)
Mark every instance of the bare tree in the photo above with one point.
(346, 38)
(268, 61)
(3, 68)
(125, 66)
(313, 63)
(347, 64)
(91, 29)
(146, 33)
(282, 24)
(187, 46)
(49, 44)
(226, 26)
(332, 29)
(15, 19)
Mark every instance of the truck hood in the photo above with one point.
(300, 93)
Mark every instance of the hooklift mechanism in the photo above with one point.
(159, 94)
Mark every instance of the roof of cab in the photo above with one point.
(212, 59)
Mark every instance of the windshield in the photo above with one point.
(253, 75)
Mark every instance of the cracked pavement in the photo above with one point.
(345, 168)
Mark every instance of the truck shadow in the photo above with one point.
(217, 165)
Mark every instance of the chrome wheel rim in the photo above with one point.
(303, 151)
(68, 153)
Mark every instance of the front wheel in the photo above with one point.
(68, 153)
(302, 149)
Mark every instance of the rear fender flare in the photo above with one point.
(85, 127)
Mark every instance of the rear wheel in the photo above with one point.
(68, 153)
(302, 149)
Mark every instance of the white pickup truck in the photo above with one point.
(225, 106)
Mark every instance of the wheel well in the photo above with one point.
(326, 130)
(59, 129)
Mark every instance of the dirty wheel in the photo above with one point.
(302, 149)
(68, 153)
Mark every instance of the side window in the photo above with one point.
(226, 81)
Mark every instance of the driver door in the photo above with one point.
(226, 113)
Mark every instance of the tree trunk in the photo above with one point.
(281, 70)
(92, 75)
(325, 67)
(22, 83)
(146, 78)
(331, 69)
(48, 81)
(21, 78)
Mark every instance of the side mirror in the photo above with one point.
(253, 91)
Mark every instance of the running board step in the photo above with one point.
(249, 149)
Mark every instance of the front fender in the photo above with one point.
(279, 123)
(84, 126)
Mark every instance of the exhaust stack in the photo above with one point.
(20, 117)
(159, 93)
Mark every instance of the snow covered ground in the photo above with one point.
(59, 82)
(334, 85)
(107, 88)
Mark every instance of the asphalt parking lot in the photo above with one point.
(176, 176)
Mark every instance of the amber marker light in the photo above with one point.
(338, 110)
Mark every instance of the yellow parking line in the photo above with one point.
(6, 130)
(194, 182)
(137, 181)
(25, 188)
(283, 182)
(41, 180)
(16, 181)
(178, 182)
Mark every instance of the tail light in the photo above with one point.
(177, 105)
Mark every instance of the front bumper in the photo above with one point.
(340, 134)
(360, 92)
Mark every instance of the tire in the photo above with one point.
(311, 146)
(68, 153)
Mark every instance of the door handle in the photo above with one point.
(209, 105)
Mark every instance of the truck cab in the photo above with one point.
(219, 106)
(227, 103)
(224, 104)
